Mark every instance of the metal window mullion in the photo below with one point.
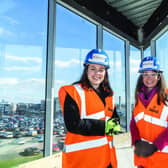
(100, 36)
(142, 53)
(50, 78)
(127, 84)
(153, 48)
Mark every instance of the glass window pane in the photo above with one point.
(22, 80)
(135, 59)
(161, 53)
(72, 44)
(115, 49)
(147, 52)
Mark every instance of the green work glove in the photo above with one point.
(112, 126)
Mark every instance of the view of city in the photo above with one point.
(28, 76)
(22, 128)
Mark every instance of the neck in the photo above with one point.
(96, 87)
(149, 89)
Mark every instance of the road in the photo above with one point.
(10, 149)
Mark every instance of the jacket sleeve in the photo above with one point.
(162, 140)
(134, 132)
(89, 127)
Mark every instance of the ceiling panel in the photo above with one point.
(127, 17)
(137, 11)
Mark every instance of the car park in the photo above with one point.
(56, 148)
(19, 141)
(31, 151)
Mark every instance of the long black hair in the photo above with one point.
(105, 85)
(162, 94)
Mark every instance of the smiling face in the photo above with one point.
(150, 79)
(96, 74)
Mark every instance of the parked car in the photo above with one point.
(31, 151)
(61, 144)
(56, 148)
(8, 135)
(20, 141)
(38, 138)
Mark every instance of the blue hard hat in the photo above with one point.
(149, 63)
(97, 56)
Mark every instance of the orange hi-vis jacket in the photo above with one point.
(151, 121)
(88, 151)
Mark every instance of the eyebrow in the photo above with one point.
(92, 66)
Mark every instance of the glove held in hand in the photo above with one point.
(112, 126)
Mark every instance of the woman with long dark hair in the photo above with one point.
(149, 124)
(89, 116)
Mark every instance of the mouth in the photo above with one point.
(96, 78)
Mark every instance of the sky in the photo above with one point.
(23, 35)
(22, 50)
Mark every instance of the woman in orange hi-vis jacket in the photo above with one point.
(89, 116)
(149, 124)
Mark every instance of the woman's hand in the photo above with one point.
(144, 149)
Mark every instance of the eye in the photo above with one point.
(153, 75)
(101, 70)
(149, 74)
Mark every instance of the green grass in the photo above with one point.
(16, 162)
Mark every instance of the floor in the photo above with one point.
(124, 150)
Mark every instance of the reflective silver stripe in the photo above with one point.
(107, 118)
(151, 119)
(164, 114)
(85, 145)
(146, 140)
(139, 116)
(97, 115)
(82, 96)
(155, 121)
(164, 150)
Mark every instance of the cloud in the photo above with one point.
(4, 32)
(134, 62)
(20, 68)
(35, 85)
(65, 64)
(30, 60)
(22, 90)
(134, 69)
(23, 59)
(11, 20)
(22, 83)
(59, 82)
(8, 81)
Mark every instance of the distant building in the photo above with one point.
(57, 108)
(5, 108)
(21, 108)
(42, 105)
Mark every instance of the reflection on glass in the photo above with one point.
(115, 49)
(161, 53)
(22, 80)
(135, 59)
(147, 52)
(72, 44)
